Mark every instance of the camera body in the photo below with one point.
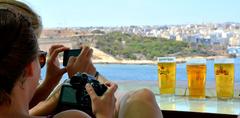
(74, 95)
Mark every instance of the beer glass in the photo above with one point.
(224, 76)
(196, 74)
(167, 75)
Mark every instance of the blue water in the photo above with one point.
(149, 72)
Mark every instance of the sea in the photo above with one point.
(149, 72)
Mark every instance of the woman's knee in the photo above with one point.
(72, 114)
(141, 104)
(142, 95)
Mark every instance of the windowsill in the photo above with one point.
(207, 105)
(180, 102)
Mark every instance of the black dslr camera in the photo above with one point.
(74, 95)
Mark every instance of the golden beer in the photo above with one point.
(196, 74)
(224, 75)
(167, 75)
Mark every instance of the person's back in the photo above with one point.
(19, 66)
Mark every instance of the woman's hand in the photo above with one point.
(54, 73)
(103, 106)
(82, 63)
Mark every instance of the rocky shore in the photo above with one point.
(178, 60)
(103, 58)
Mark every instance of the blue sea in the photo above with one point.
(149, 72)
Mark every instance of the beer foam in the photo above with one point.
(224, 61)
(166, 59)
(196, 61)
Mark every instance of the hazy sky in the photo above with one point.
(75, 13)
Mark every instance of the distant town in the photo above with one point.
(221, 36)
(209, 34)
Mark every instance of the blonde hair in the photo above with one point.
(25, 10)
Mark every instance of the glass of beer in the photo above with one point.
(196, 74)
(224, 76)
(167, 75)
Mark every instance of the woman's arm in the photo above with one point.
(53, 75)
(47, 106)
(39, 104)
(102, 106)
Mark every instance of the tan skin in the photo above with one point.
(135, 104)
(84, 59)
(28, 95)
(102, 106)
(22, 93)
(54, 72)
(53, 75)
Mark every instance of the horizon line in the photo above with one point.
(231, 22)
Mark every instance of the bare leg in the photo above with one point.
(72, 114)
(138, 104)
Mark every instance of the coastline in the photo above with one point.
(144, 62)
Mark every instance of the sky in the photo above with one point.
(85, 13)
